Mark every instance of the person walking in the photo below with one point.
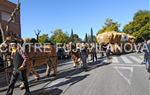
(19, 68)
(146, 51)
(108, 52)
(84, 55)
(94, 53)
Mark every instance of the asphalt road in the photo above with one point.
(124, 76)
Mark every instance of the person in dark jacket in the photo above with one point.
(19, 68)
(84, 55)
(94, 53)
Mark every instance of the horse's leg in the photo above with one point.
(35, 74)
(73, 61)
(55, 65)
(48, 67)
(32, 71)
(84, 63)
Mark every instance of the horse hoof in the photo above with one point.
(47, 75)
(22, 86)
(37, 78)
(74, 66)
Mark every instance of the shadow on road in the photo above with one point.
(67, 72)
(54, 89)
(96, 64)
(47, 91)
(71, 81)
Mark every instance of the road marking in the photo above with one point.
(136, 59)
(129, 65)
(115, 60)
(126, 60)
(121, 74)
(141, 57)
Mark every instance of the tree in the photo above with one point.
(37, 33)
(72, 32)
(59, 36)
(86, 37)
(33, 40)
(140, 26)
(92, 35)
(140, 12)
(43, 38)
(71, 36)
(109, 25)
(74, 38)
(89, 38)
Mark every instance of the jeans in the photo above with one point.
(94, 55)
(84, 59)
(14, 78)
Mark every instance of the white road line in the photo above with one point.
(115, 60)
(126, 60)
(136, 59)
(141, 57)
(129, 65)
(128, 68)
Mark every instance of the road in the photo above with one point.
(124, 76)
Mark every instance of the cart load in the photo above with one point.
(117, 40)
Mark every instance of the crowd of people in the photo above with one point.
(79, 52)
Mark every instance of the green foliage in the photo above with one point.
(141, 12)
(140, 26)
(59, 36)
(33, 40)
(43, 38)
(86, 37)
(92, 36)
(109, 26)
(74, 38)
(89, 38)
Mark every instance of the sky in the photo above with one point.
(79, 15)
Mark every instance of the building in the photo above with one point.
(6, 9)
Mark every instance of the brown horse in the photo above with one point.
(75, 53)
(37, 58)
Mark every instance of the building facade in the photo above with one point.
(14, 27)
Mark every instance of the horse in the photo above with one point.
(75, 54)
(37, 58)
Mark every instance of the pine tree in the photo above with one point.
(71, 36)
(92, 35)
(86, 37)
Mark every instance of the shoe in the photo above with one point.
(143, 62)
(22, 86)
